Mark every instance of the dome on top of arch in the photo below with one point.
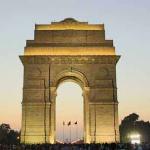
(69, 20)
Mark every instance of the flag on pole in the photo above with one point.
(76, 122)
(63, 123)
(69, 123)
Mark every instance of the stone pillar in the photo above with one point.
(53, 114)
(86, 114)
(35, 123)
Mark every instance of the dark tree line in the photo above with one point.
(132, 125)
(8, 135)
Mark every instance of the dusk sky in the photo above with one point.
(127, 22)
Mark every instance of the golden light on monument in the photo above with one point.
(69, 50)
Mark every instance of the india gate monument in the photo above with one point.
(76, 51)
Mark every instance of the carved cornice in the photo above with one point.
(35, 104)
(33, 43)
(103, 102)
(111, 59)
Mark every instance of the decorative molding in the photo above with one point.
(103, 103)
(73, 74)
(111, 59)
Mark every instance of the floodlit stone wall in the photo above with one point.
(76, 51)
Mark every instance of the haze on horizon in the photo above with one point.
(126, 22)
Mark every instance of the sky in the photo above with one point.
(126, 22)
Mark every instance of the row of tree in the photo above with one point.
(129, 125)
(8, 135)
(132, 125)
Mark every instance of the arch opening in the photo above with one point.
(69, 108)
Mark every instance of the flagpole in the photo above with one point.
(77, 131)
(76, 124)
(63, 133)
(70, 133)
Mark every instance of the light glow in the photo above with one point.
(71, 51)
(135, 138)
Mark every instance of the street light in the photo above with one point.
(135, 138)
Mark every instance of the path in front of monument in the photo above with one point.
(112, 146)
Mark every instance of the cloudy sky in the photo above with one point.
(126, 22)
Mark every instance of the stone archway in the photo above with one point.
(81, 80)
(77, 51)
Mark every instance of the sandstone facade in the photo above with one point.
(73, 51)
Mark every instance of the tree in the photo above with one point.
(131, 118)
(4, 130)
(7, 135)
(131, 124)
(13, 137)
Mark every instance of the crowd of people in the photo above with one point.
(105, 146)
